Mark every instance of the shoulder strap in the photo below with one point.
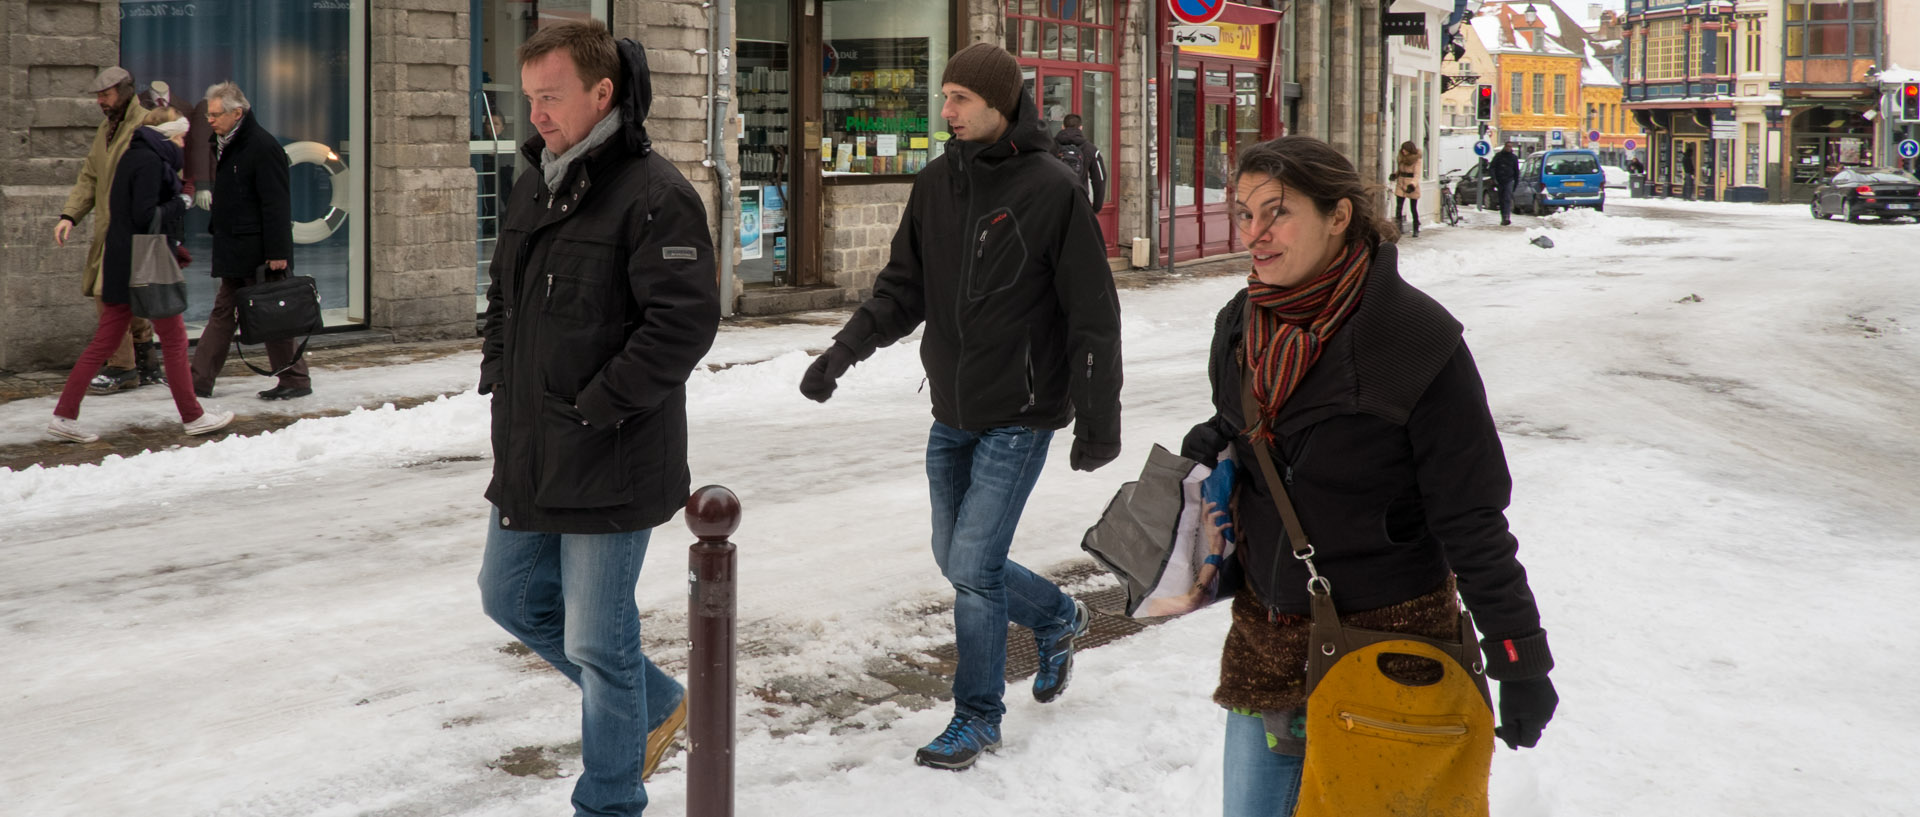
(1250, 414)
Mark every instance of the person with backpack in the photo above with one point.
(1364, 395)
(1506, 175)
(1002, 260)
(1070, 145)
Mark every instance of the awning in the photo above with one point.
(1248, 15)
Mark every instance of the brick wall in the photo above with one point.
(50, 51)
(422, 188)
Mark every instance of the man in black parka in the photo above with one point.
(252, 226)
(1506, 174)
(603, 299)
(999, 254)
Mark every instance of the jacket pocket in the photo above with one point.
(996, 253)
(579, 282)
(579, 466)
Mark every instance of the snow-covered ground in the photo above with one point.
(1715, 497)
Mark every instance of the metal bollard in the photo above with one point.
(713, 514)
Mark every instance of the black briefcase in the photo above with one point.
(276, 310)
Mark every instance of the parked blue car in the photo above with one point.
(1552, 179)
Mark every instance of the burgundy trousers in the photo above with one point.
(107, 338)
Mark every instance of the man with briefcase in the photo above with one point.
(252, 226)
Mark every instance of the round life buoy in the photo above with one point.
(319, 229)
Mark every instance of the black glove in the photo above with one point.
(826, 370)
(1088, 455)
(1525, 708)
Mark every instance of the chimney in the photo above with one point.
(1593, 11)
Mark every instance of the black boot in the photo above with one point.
(146, 357)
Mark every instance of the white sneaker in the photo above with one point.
(67, 429)
(208, 423)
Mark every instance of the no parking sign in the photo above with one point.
(1196, 12)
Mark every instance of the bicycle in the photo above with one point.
(1449, 206)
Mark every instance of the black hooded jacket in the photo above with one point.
(146, 182)
(1096, 164)
(1389, 452)
(604, 297)
(1000, 255)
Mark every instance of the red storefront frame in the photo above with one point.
(1217, 125)
(1103, 20)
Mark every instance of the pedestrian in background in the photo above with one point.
(146, 184)
(1506, 174)
(999, 254)
(131, 363)
(604, 297)
(1083, 157)
(1406, 186)
(252, 226)
(1369, 402)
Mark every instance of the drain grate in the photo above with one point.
(1023, 659)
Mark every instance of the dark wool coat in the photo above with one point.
(604, 298)
(999, 253)
(1390, 455)
(140, 188)
(252, 219)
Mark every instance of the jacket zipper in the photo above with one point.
(959, 322)
(1349, 719)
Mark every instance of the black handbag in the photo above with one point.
(155, 287)
(275, 310)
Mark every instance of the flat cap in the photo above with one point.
(109, 78)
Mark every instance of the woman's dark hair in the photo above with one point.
(1312, 168)
(1408, 150)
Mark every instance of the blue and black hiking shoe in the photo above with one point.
(958, 747)
(1056, 656)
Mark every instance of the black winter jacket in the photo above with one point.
(1000, 255)
(252, 218)
(139, 190)
(1390, 455)
(1096, 164)
(604, 298)
(1506, 167)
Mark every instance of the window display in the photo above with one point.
(881, 96)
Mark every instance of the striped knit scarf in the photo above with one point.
(1287, 328)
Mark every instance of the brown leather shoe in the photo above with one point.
(662, 737)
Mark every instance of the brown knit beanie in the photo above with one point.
(988, 70)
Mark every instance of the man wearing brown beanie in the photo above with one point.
(999, 254)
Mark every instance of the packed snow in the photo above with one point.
(1708, 411)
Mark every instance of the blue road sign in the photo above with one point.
(1481, 148)
(1630, 145)
(1593, 136)
(1909, 149)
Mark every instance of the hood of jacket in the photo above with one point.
(635, 91)
(1025, 134)
(1070, 136)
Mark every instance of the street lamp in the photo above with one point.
(1533, 17)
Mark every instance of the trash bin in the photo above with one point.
(1637, 185)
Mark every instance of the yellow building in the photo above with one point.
(1538, 99)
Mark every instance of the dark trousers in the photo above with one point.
(211, 354)
(1506, 202)
(1400, 206)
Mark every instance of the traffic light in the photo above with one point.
(1910, 102)
(1483, 104)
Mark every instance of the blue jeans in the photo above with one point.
(569, 597)
(979, 483)
(1259, 782)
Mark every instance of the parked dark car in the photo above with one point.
(1476, 188)
(1868, 191)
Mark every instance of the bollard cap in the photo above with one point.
(713, 513)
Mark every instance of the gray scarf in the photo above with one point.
(221, 142)
(555, 167)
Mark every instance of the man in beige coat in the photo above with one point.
(113, 90)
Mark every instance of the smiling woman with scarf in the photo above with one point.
(1376, 420)
(146, 182)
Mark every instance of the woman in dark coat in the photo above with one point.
(1377, 422)
(145, 183)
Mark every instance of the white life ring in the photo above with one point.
(319, 229)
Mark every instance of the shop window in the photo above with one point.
(1185, 117)
(763, 91)
(300, 66)
(881, 93)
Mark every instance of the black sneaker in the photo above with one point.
(111, 380)
(1056, 656)
(958, 747)
(285, 393)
